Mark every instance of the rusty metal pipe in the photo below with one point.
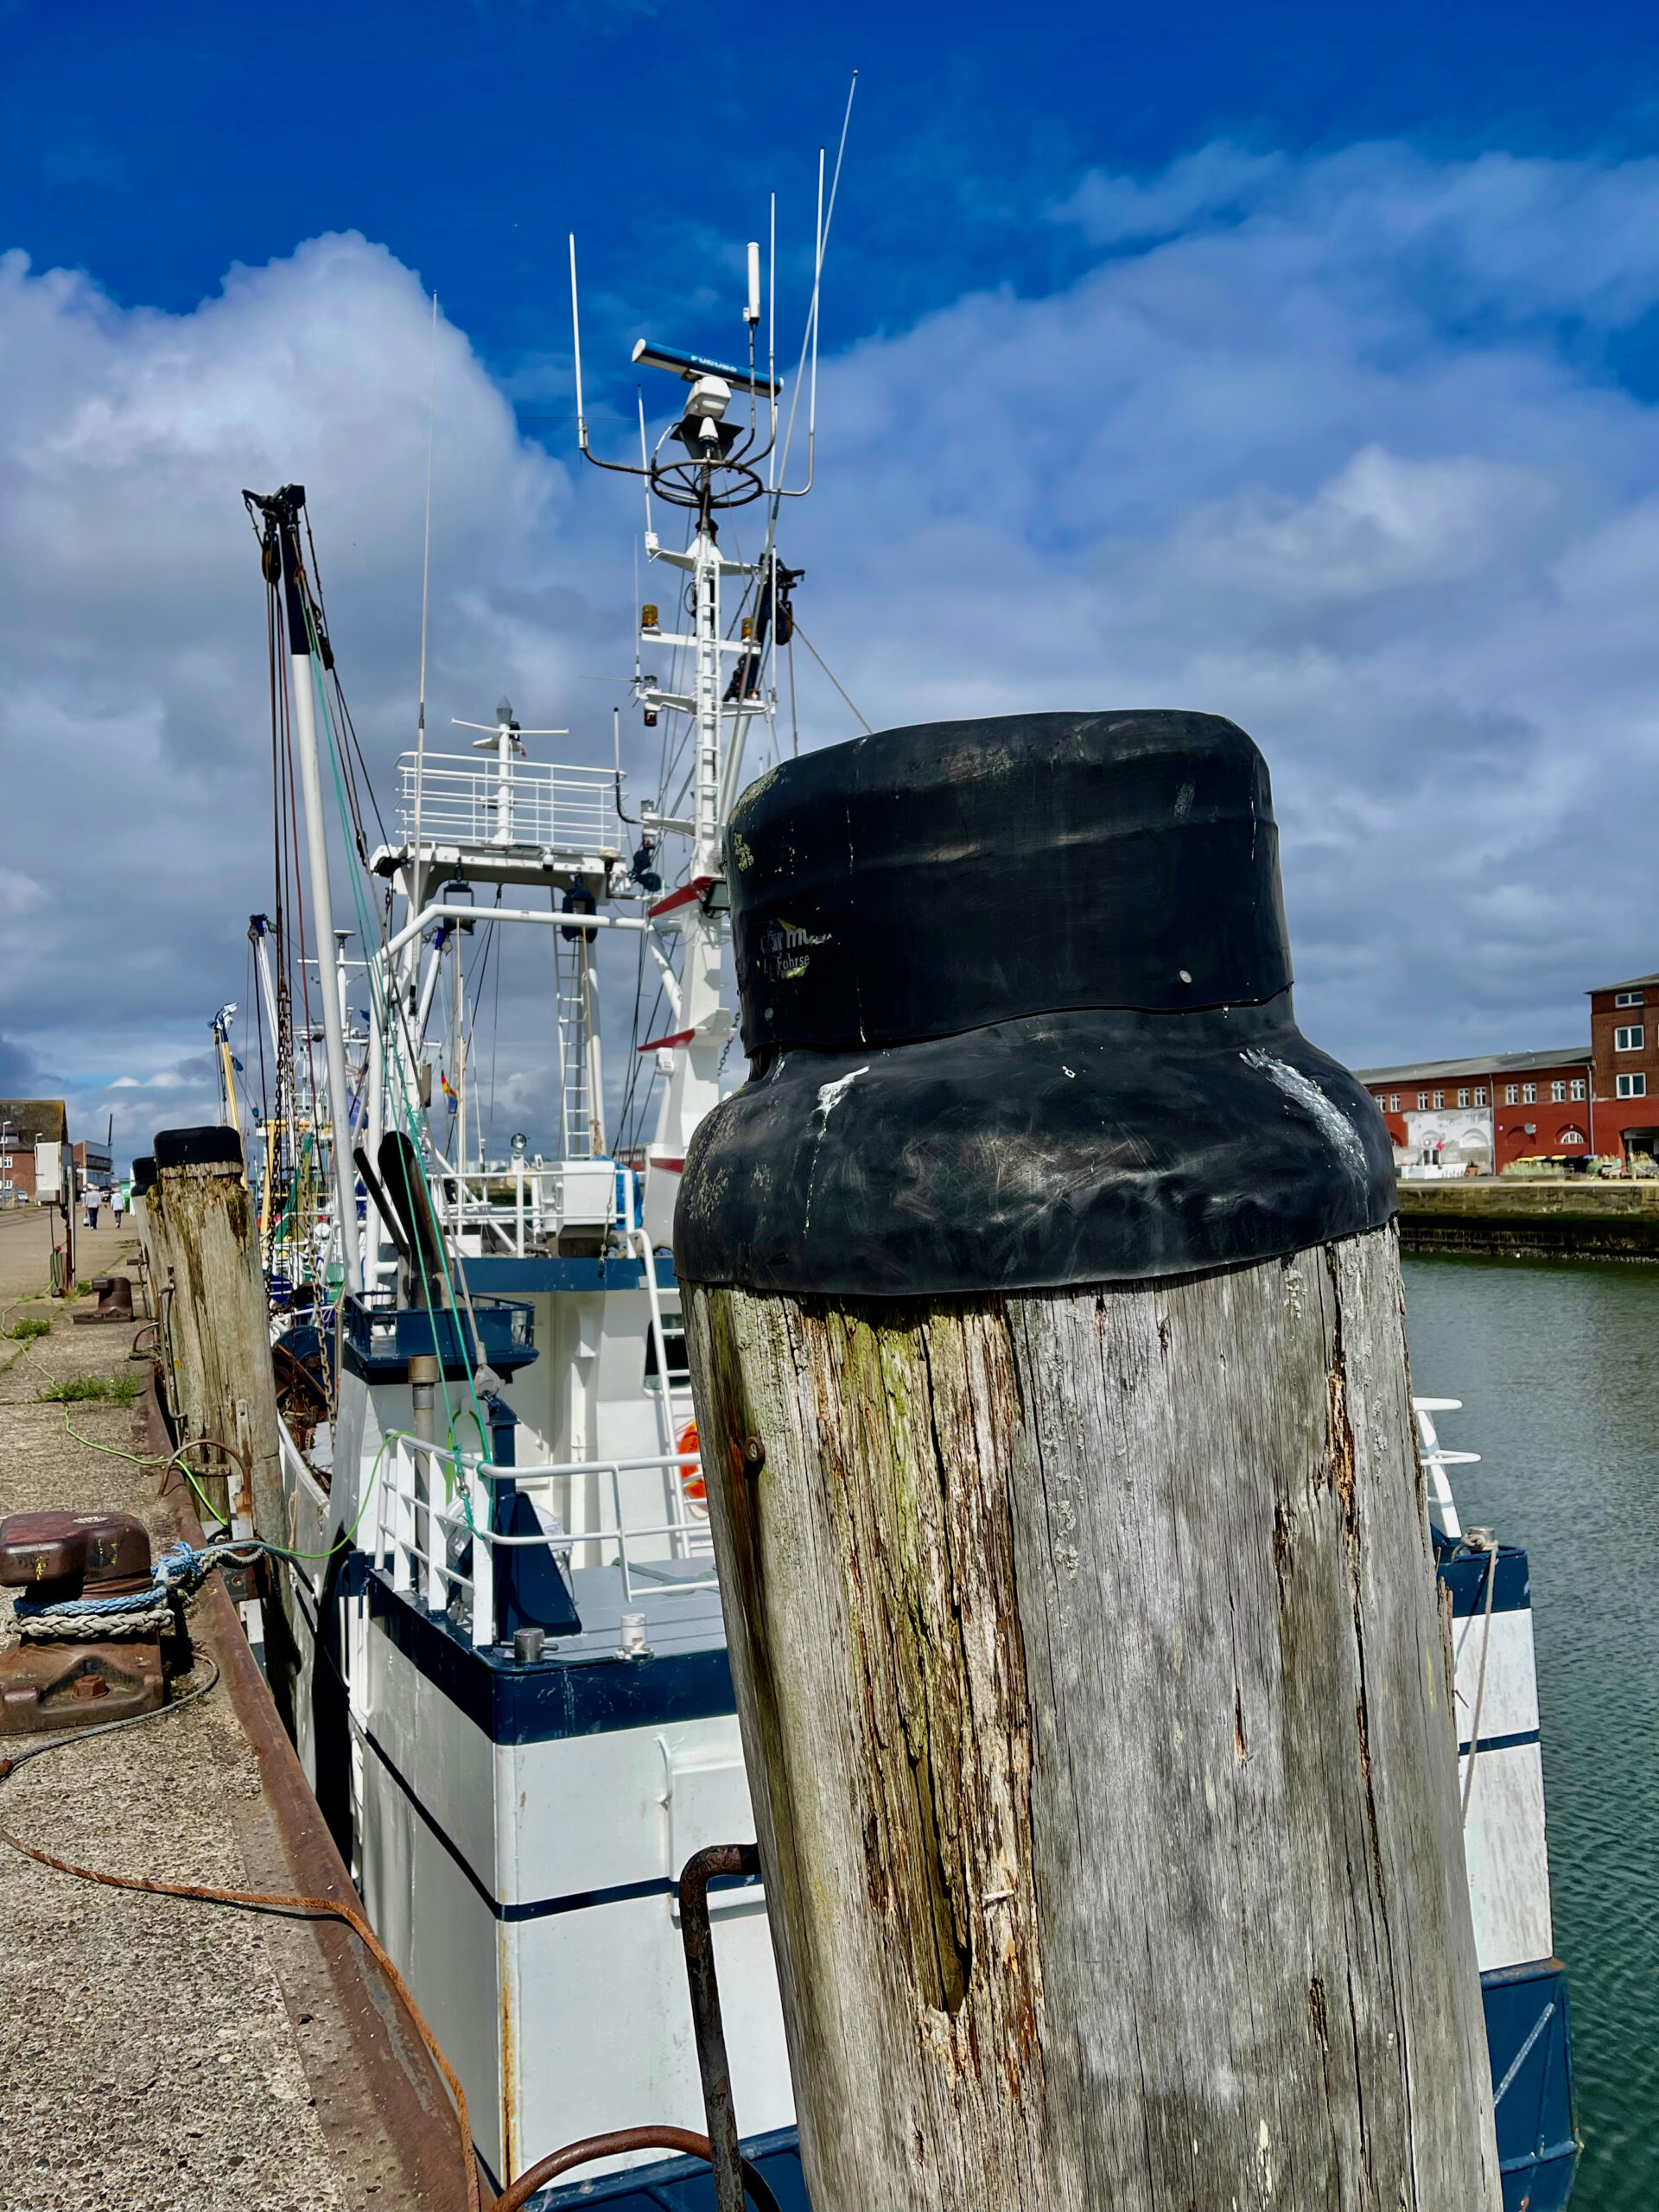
(616, 2145)
(698, 1937)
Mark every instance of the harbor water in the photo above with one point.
(1555, 1361)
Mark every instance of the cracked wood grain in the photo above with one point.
(1094, 1692)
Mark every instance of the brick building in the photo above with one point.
(25, 1124)
(1601, 1100)
(1625, 1048)
(1485, 1113)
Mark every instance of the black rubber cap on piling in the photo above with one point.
(1016, 998)
(210, 1146)
(143, 1173)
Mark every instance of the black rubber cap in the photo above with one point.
(1059, 942)
(204, 1147)
(144, 1174)
(935, 879)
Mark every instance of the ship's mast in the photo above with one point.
(284, 508)
(723, 462)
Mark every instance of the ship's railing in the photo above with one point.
(1436, 1458)
(436, 1506)
(468, 799)
(511, 1206)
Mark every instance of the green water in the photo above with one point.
(1557, 1364)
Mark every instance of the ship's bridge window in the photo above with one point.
(679, 1365)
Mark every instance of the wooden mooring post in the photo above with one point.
(1044, 1319)
(202, 1252)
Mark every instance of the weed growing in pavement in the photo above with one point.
(115, 1390)
(28, 1329)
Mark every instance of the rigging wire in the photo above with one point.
(824, 665)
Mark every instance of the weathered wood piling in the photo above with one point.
(202, 1252)
(1042, 1304)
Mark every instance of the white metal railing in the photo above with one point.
(1436, 1458)
(475, 801)
(516, 1203)
(429, 1493)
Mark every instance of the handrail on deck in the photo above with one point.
(407, 1518)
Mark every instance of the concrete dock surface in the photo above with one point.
(159, 2055)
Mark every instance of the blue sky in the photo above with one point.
(1289, 363)
(155, 148)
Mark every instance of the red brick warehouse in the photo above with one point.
(1598, 1100)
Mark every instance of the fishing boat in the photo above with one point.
(1487, 1588)
(501, 1646)
(505, 1664)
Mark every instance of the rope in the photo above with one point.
(1480, 1540)
(177, 1573)
(71, 1625)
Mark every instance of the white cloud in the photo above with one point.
(1336, 454)
(1217, 179)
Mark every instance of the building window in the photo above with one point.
(1480, 1094)
(1439, 1100)
(1630, 998)
(1578, 1086)
(1570, 1135)
(1422, 1102)
(1511, 1094)
(1463, 1098)
(1630, 1040)
(1529, 1094)
(1632, 1086)
(1558, 1093)
(1393, 1102)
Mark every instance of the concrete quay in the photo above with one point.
(1550, 1217)
(158, 2054)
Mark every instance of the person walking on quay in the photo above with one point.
(118, 1202)
(91, 1198)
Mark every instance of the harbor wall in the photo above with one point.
(1550, 1217)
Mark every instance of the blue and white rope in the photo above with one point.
(137, 1613)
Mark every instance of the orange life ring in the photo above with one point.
(691, 1477)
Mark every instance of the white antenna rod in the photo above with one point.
(576, 332)
(772, 340)
(426, 580)
(751, 312)
(817, 278)
(810, 337)
(644, 467)
(828, 217)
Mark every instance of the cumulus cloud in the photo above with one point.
(1345, 461)
(134, 671)
(1332, 446)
